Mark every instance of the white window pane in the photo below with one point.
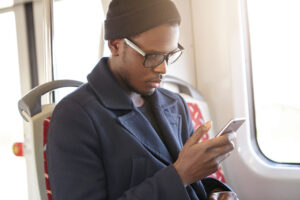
(77, 28)
(13, 181)
(6, 3)
(275, 48)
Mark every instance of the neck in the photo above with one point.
(136, 98)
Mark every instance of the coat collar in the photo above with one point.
(103, 82)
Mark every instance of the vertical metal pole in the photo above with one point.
(30, 28)
(48, 39)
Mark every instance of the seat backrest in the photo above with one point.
(198, 120)
(34, 113)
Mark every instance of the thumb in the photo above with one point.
(198, 134)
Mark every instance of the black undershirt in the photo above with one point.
(148, 113)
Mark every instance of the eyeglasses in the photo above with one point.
(152, 60)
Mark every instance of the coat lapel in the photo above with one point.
(169, 122)
(169, 125)
(143, 131)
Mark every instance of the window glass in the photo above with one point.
(6, 3)
(275, 47)
(77, 32)
(13, 181)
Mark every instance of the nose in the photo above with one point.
(162, 68)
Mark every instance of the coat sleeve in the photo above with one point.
(75, 165)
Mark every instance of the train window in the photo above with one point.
(275, 47)
(13, 169)
(6, 3)
(77, 32)
(77, 28)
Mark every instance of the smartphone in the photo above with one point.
(232, 126)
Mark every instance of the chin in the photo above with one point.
(148, 92)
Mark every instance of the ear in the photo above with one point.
(114, 46)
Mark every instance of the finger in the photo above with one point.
(219, 151)
(198, 134)
(230, 135)
(216, 161)
(220, 141)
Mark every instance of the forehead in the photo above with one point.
(162, 38)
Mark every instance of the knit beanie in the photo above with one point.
(127, 18)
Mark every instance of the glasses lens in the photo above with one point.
(153, 60)
(173, 57)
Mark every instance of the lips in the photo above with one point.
(154, 83)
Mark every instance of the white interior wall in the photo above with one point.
(217, 48)
(218, 51)
(216, 26)
(184, 68)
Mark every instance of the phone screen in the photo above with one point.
(232, 126)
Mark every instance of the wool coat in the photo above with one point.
(100, 146)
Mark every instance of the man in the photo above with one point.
(120, 136)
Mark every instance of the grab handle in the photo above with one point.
(31, 102)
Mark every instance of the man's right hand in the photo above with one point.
(200, 159)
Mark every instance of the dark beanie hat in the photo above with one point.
(127, 18)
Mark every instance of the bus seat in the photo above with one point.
(199, 110)
(37, 119)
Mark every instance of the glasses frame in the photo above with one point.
(146, 55)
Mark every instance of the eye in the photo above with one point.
(153, 60)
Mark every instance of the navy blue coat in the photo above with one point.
(100, 146)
